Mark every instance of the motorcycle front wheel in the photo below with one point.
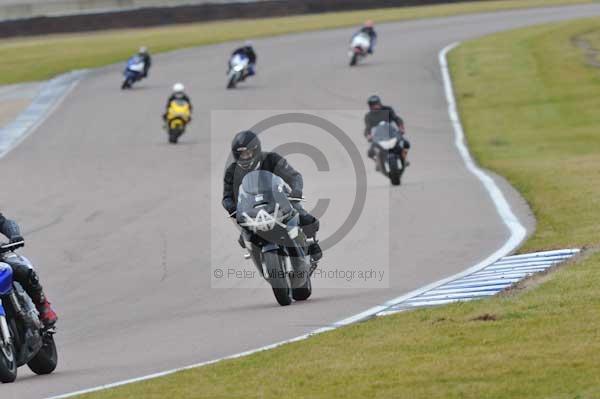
(231, 82)
(8, 362)
(304, 292)
(395, 172)
(278, 278)
(46, 359)
(174, 136)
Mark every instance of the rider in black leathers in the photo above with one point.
(247, 51)
(383, 113)
(246, 150)
(178, 93)
(24, 274)
(369, 29)
(145, 56)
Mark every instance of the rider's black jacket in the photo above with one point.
(369, 31)
(147, 62)
(8, 227)
(247, 51)
(387, 114)
(269, 161)
(179, 96)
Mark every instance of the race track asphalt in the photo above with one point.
(127, 231)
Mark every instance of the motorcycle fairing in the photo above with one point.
(179, 109)
(6, 278)
(238, 62)
(361, 41)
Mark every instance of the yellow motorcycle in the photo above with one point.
(178, 116)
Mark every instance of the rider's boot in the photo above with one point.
(47, 314)
(34, 289)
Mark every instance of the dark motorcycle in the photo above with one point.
(386, 144)
(273, 237)
(23, 337)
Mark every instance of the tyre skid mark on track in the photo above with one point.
(516, 229)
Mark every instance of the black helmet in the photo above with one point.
(374, 100)
(246, 150)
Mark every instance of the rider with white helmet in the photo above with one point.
(178, 94)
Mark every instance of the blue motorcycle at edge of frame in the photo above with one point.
(23, 337)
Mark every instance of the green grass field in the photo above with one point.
(529, 101)
(40, 58)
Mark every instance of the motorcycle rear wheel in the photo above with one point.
(45, 361)
(354, 59)
(279, 280)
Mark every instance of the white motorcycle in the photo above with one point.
(238, 66)
(359, 48)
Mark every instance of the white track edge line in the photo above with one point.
(45, 114)
(516, 229)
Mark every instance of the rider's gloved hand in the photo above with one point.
(14, 239)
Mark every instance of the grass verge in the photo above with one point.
(40, 58)
(529, 101)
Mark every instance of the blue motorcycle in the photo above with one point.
(23, 337)
(134, 71)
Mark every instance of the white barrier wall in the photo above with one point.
(19, 9)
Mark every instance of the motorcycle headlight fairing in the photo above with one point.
(388, 144)
(264, 221)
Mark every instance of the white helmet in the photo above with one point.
(143, 50)
(248, 43)
(178, 88)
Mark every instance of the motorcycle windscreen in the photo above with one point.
(238, 59)
(135, 64)
(5, 278)
(385, 131)
(261, 189)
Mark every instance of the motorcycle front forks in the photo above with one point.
(6, 337)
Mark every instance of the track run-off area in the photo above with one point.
(127, 230)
